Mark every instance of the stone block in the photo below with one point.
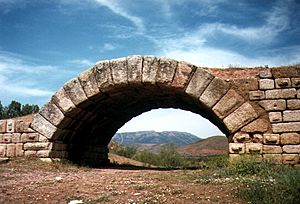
(256, 95)
(166, 71)
(295, 82)
(253, 148)
(1, 138)
(240, 117)
(291, 115)
(10, 125)
(53, 114)
(283, 83)
(3, 150)
(214, 92)
(63, 101)
(259, 125)
(11, 150)
(291, 149)
(293, 104)
(236, 148)
(241, 137)
(298, 93)
(291, 159)
(275, 117)
(273, 158)
(245, 84)
(59, 147)
(286, 127)
(150, 67)
(23, 126)
(135, 69)
(273, 105)
(19, 150)
(43, 138)
(281, 93)
(103, 75)
(198, 83)
(265, 73)
(43, 153)
(286, 72)
(37, 146)
(257, 138)
(228, 103)
(182, 75)
(272, 149)
(119, 71)
(29, 153)
(75, 92)
(41, 125)
(89, 84)
(16, 137)
(30, 137)
(2, 126)
(290, 138)
(7, 138)
(265, 84)
(271, 138)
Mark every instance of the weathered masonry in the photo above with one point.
(257, 108)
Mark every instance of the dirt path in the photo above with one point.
(36, 182)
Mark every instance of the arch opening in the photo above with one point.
(88, 110)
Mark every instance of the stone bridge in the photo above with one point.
(257, 108)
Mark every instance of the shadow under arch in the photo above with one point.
(89, 109)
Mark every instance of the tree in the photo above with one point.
(14, 109)
(1, 110)
(29, 109)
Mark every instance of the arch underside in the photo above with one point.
(87, 112)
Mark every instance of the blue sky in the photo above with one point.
(43, 44)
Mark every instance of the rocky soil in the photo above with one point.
(33, 181)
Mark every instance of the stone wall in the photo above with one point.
(17, 139)
(278, 93)
(257, 108)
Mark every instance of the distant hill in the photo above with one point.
(155, 138)
(210, 146)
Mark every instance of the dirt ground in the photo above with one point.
(32, 181)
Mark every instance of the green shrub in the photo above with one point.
(170, 158)
(282, 187)
(125, 151)
(147, 157)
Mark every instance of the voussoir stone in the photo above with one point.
(43, 126)
(150, 67)
(182, 75)
(240, 117)
(103, 75)
(54, 115)
(166, 71)
(89, 83)
(198, 83)
(75, 91)
(228, 103)
(135, 68)
(119, 71)
(214, 92)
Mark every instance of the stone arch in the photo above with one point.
(85, 113)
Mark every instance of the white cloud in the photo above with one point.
(81, 62)
(21, 78)
(117, 8)
(171, 120)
